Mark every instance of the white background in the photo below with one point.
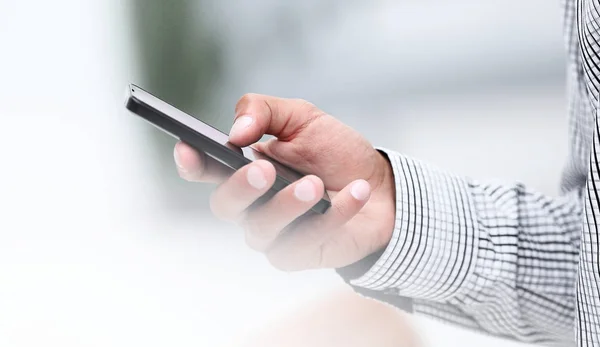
(89, 258)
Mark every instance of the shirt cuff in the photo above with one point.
(358, 269)
(433, 247)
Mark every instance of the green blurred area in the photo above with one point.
(180, 61)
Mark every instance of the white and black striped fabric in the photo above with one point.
(501, 258)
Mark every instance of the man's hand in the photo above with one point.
(357, 177)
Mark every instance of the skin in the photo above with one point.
(357, 177)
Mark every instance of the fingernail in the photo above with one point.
(360, 190)
(240, 125)
(177, 160)
(305, 191)
(256, 178)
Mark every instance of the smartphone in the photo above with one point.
(209, 140)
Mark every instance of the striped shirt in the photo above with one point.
(501, 258)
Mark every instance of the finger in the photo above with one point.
(196, 166)
(264, 224)
(257, 115)
(347, 203)
(302, 247)
(245, 186)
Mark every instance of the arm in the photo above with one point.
(497, 258)
(518, 278)
(492, 257)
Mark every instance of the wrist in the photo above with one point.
(387, 173)
(385, 192)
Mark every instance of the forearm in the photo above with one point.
(498, 258)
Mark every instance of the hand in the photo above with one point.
(357, 177)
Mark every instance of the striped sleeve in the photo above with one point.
(494, 257)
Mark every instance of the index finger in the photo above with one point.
(195, 166)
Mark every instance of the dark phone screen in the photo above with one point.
(248, 154)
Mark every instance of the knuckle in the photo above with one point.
(304, 104)
(309, 109)
(309, 115)
(253, 237)
(252, 242)
(258, 235)
(280, 261)
(252, 226)
(341, 209)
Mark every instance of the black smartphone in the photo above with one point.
(209, 140)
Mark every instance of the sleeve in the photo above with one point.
(498, 258)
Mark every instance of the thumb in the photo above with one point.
(257, 115)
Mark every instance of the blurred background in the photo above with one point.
(102, 244)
